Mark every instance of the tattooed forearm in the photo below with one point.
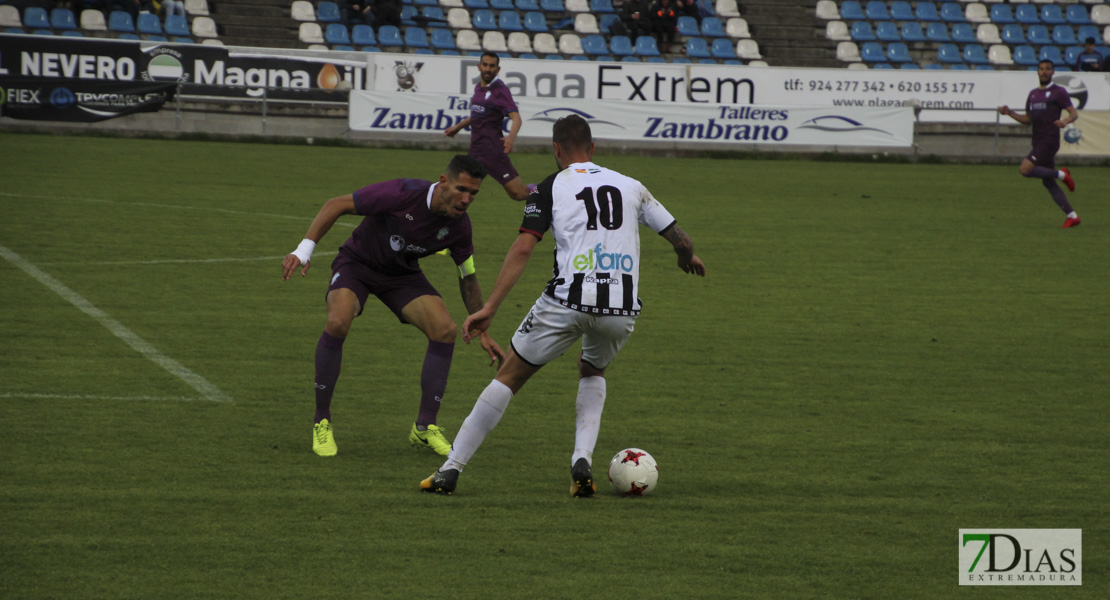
(471, 293)
(683, 246)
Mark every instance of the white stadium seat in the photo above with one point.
(544, 43)
(9, 16)
(494, 41)
(310, 33)
(197, 7)
(748, 50)
(736, 27)
(837, 31)
(302, 10)
(977, 13)
(93, 20)
(999, 54)
(577, 6)
(467, 39)
(848, 52)
(570, 43)
(458, 18)
(727, 8)
(987, 33)
(827, 9)
(204, 27)
(520, 43)
(585, 24)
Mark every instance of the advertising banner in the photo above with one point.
(1089, 136)
(724, 124)
(77, 100)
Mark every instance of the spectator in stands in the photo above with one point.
(357, 12)
(637, 21)
(690, 8)
(664, 22)
(1089, 59)
(387, 12)
(130, 7)
(173, 7)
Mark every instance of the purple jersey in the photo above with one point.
(400, 228)
(1044, 107)
(488, 108)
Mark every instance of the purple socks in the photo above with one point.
(329, 356)
(433, 380)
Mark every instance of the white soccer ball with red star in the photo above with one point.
(633, 472)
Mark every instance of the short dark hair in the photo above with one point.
(572, 132)
(1089, 41)
(1050, 63)
(463, 163)
(494, 55)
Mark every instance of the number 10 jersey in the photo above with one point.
(594, 215)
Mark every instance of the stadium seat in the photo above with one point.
(999, 54)
(937, 32)
(726, 8)
(337, 34)
(630, 59)
(975, 54)
(594, 45)
(494, 41)
(898, 52)
(1038, 35)
(1071, 54)
(951, 12)
(1051, 53)
(570, 44)
(443, 39)
(433, 16)
(909, 65)
(827, 10)
(872, 52)
(467, 39)
(577, 6)
(458, 18)
(197, 8)
(36, 17)
(408, 15)
(987, 33)
(602, 7)
(887, 31)
(646, 46)
(527, 5)
(976, 12)
(949, 53)
(1077, 15)
(900, 10)
(449, 4)
(303, 10)
(912, 32)
(119, 22)
(881, 66)
(1088, 31)
(688, 26)
(606, 22)
(737, 27)
(544, 43)
(621, 45)
(837, 31)
(476, 4)
(848, 52)
(416, 37)
(12, 21)
(123, 36)
(586, 24)
(327, 12)
(722, 49)
(1064, 35)
(363, 35)
(711, 27)
(64, 20)
(519, 43)
(554, 6)
(1025, 55)
(389, 36)
(178, 26)
(963, 33)
(748, 50)
(926, 12)
(1013, 34)
(535, 22)
(851, 10)
(1026, 14)
(500, 5)
(1052, 14)
(1100, 14)
(204, 27)
(862, 32)
(92, 20)
(876, 11)
(309, 32)
(1002, 14)
(698, 48)
(484, 20)
(149, 24)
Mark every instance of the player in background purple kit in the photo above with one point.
(1043, 108)
(404, 220)
(491, 103)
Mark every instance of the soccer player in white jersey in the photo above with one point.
(594, 215)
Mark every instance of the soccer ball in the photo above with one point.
(633, 472)
(1072, 134)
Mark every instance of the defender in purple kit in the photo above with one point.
(491, 103)
(404, 220)
(1043, 108)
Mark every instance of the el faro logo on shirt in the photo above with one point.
(1021, 557)
(596, 259)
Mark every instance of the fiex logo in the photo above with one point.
(1021, 557)
(596, 259)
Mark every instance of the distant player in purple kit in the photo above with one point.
(404, 220)
(491, 103)
(1043, 109)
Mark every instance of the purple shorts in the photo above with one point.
(395, 291)
(1043, 156)
(496, 163)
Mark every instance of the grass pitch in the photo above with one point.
(879, 356)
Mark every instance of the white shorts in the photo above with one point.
(550, 328)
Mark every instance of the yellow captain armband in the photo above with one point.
(467, 268)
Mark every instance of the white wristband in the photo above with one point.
(304, 250)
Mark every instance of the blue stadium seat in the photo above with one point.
(926, 12)
(442, 39)
(1077, 15)
(887, 31)
(327, 12)
(964, 33)
(527, 5)
(408, 15)
(149, 24)
(1001, 14)
(898, 52)
(176, 26)
(912, 32)
(900, 10)
(646, 46)
(509, 20)
(1064, 35)
(605, 23)
(1051, 53)
(952, 12)
(502, 5)
(862, 32)
(909, 66)
(723, 48)
(1052, 14)
(959, 67)
(555, 6)
(180, 39)
(975, 54)
(336, 33)
(594, 45)
(1085, 31)
(579, 57)
(1013, 34)
(882, 66)
(1071, 53)
(149, 38)
(475, 4)
(949, 53)
(1038, 35)
(876, 11)
(416, 37)
(937, 32)
(119, 21)
(1025, 55)
(872, 52)
(688, 26)
(423, 3)
(434, 16)
(389, 35)
(630, 59)
(484, 20)
(711, 27)
(36, 17)
(528, 55)
(601, 7)
(343, 47)
(851, 10)
(1027, 14)
(621, 45)
(933, 67)
(62, 18)
(697, 48)
(122, 36)
(535, 22)
(363, 35)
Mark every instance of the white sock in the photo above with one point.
(591, 401)
(483, 418)
(1061, 175)
(1072, 215)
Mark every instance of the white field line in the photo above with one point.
(92, 397)
(181, 261)
(198, 383)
